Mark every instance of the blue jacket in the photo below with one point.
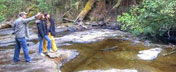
(42, 28)
(52, 28)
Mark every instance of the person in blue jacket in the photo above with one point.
(42, 34)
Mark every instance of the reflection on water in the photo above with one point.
(123, 57)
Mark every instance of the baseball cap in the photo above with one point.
(21, 13)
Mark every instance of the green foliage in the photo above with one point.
(10, 8)
(150, 17)
(2, 7)
(74, 2)
(45, 6)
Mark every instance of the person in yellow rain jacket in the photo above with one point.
(51, 28)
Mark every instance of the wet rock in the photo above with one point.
(12, 43)
(9, 40)
(90, 36)
(63, 44)
(136, 41)
(72, 29)
(38, 64)
(111, 70)
(102, 22)
(6, 31)
(150, 54)
(147, 43)
(61, 30)
(30, 43)
(94, 24)
(32, 37)
(6, 45)
(66, 53)
(113, 25)
(80, 27)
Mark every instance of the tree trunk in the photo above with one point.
(117, 4)
(85, 11)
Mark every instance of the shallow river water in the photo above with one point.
(94, 56)
(97, 51)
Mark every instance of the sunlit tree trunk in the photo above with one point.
(117, 4)
(85, 11)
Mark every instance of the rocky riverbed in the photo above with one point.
(94, 50)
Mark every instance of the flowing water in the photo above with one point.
(97, 56)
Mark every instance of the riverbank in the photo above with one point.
(88, 50)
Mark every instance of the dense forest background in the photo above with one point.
(60, 8)
(140, 17)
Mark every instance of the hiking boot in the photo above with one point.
(30, 61)
(51, 51)
(42, 54)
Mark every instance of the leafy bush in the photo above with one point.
(152, 17)
(2, 7)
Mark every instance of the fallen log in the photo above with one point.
(172, 52)
(85, 11)
(5, 25)
(66, 19)
(109, 49)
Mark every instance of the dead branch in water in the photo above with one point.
(172, 52)
(69, 20)
(109, 49)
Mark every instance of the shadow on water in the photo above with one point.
(123, 57)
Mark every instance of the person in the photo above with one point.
(42, 33)
(21, 31)
(51, 28)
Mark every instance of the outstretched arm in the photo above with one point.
(29, 19)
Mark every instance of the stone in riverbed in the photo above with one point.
(90, 36)
(39, 64)
(6, 31)
(150, 54)
(66, 54)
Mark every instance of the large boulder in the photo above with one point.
(150, 54)
(111, 70)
